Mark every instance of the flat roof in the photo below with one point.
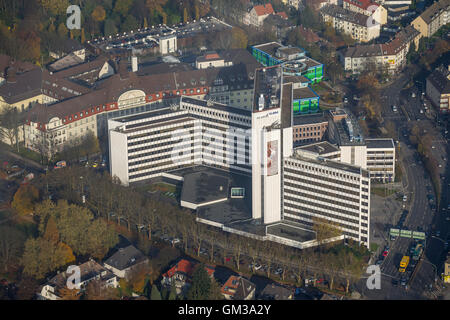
(331, 163)
(304, 93)
(312, 118)
(267, 83)
(379, 143)
(320, 148)
(286, 106)
(291, 231)
(204, 186)
(269, 48)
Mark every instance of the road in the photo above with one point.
(420, 215)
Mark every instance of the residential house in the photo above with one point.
(390, 55)
(368, 8)
(125, 260)
(433, 18)
(180, 275)
(89, 271)
(238, 288)
(259, 13)
(357, 25)
(438, 88)
(274, 291)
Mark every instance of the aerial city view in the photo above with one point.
(227, 150)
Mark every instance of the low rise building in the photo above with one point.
(293, 60)
(390, 56)
(273, 291)
(180, 275)
(381, 159)
(309, 128)
(238, 288)
(433, 18)
(124, 261)
(438, 89)
(89, 271)
(368, 8)
(358, 26)
(258, 13)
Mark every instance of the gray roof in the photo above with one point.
(439, 79)
(125, 258)
(203, 187)
(320, 148)
(306, 119)
(273, 291)
(344, 14)
(432, 11)
(379, 143)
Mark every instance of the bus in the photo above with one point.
(404, 264)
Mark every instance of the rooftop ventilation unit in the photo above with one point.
(261, 102)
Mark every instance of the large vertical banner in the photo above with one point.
(272, 158)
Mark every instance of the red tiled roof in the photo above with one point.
(212, 56)
(363, 4)
(282, 14)
(182, 266)
(308, 34)
(264, 9)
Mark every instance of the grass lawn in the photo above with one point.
(160, 186)
(382, 192)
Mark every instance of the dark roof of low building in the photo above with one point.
(238, 287)
(204, 187)
(439, 79)
(379, 143)
(320, 148)
(307, 119)
(344, 14)
(303, 93)
(37, 81)
(125, 258)
(431, 12)
(273, 291)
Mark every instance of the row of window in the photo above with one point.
(324, 171)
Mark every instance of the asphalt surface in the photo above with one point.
(424, 280)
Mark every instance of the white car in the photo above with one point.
(405, 198)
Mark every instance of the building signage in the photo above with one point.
(272, 158)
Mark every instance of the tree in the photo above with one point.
(51, 231)
(24, 199)
(9, 125)
(185, 15)
(239, 38)
(130, 23)
(155, 295)
(54, 7)
(98, 14)
(42, 256)
(62, 30)
(110, 27)
(101, 237)
(201, 284)
(325, 229)
(69, 294)
(173, 292)
(155, 6)
(122, 7)
(11, 246)
(96, 290)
